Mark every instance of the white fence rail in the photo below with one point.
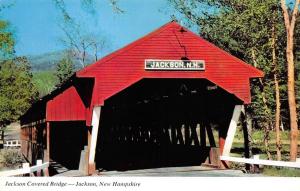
(26, 169)
(257, 161)
(12, 143)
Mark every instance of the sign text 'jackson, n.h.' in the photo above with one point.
(174, 64)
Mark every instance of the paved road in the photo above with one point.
(193, 171)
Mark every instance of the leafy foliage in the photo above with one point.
(17, 91)
(244, 28)
(6, 41)
(44, 81)
(64, 69)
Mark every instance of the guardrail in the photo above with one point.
(12, 143)
(257, 161)
(38, 170)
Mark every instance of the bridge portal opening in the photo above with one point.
(162, 123)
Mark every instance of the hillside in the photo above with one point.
(43, 70)
(48, 61)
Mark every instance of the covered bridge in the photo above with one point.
(149, 104)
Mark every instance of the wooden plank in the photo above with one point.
(47, 156)
(232, 129)
(198, 133)
(194, 135)
(34, 123)
(258, 161)
(46, 171)
(210, 135)
(95, 127)
(82, 160)
(203, 135)
(214, 156)
(183, 133)
(170, 134)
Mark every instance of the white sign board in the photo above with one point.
(188, 65)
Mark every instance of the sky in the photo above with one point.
(36, 23)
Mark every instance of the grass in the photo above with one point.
(258, 144)
(258, 136)
(282, 172)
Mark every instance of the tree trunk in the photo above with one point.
(268, 125)
(292, 104)
(277, 93)
(277, 119)
(290, 27)
(267, 139)
(2, 136)
(96, 51)
(83, 58)
(247, 129)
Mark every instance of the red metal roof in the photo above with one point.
(124, 67)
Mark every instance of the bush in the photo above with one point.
(11, 158)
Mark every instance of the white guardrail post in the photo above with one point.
(26, 168)
(39, 171)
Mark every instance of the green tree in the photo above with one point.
(17, 91)
(64, 69)
(45, 81)
(6, 41)
(6, 51)
(252, 31)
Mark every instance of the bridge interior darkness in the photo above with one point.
(67, 140)
(162, 123)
